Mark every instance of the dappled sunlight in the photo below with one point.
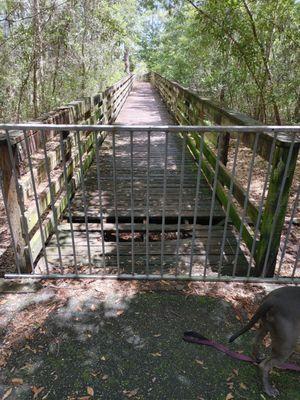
(120, 337)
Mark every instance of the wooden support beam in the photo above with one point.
(272, 221)
(14, 203)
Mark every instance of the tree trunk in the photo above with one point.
(36, 55)
(126, 61)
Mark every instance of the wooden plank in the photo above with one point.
(65, 239)
(201, 230)
(154, 249)
(170, 212)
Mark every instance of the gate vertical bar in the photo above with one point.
(52, 200)
(116, 200)
(196, 200)
(260, 211)
(164, 205)
(83, 188)
(147, 200)
(245, 203)
(180, 200)
(233, 173)
(296, 262)
(216, 173)
(132, 204)
(68, 193)
(36, 200)
(100, 200)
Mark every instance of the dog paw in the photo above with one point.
(272, 391)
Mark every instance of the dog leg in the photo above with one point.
(281, 351)
(260, 334)
(265, 367)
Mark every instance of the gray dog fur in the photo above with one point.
(279, 314)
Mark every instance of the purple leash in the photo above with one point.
(194, 337)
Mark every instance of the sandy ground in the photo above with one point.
(82, 340)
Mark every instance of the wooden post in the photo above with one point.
(12, 199)
(268, 218)
(223, 141)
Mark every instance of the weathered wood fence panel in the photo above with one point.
(188, 108)
(18, 186)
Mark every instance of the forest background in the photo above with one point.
(242, 53)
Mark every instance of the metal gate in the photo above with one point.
(142, 202)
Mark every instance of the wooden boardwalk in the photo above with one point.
(144, 107)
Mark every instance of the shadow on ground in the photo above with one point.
(120, 347)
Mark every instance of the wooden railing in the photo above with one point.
(188, 108)
(17, 181)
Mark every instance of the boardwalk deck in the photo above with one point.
(144, 107)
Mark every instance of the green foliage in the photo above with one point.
(56, 51)
(244, 52)
(247, 50)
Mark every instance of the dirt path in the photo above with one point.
(121, 340)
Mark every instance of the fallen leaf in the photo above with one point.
(199, 362)
(130, 393)
(120, 312)
(93, 307)
(230, 385)
(27, 366)
(103, 358)
(30, 349)
(84, 398)
(17, 381)
(235, 371)
(243, 386)
(157, 335)
(156, 354)
(36, 391)
(229, 396)
(7, 394)
(90, 391)
(104, 377)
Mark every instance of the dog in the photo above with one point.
(279, 314)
